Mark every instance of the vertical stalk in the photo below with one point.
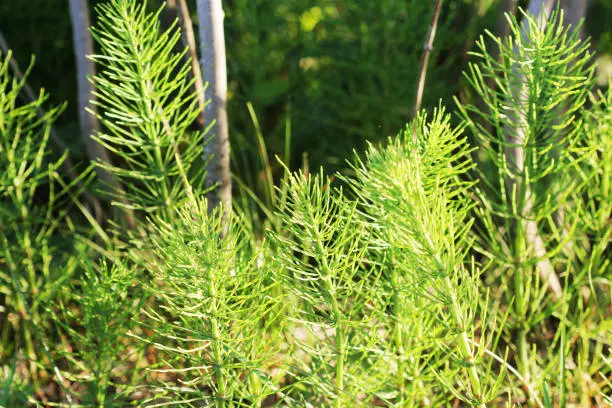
(101, 382)
(83, 46)
(217, 348)
(397, 334)
(425, 59)
(24, 239)
(520, 189)
(337, 313)
(217, 363)
(212, 43)
(464, 341)
(145, 88)
(520, 301)
(526, 229)
(523, 346)
(159, 162)
(341, 354)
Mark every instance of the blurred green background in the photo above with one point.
(343, 72)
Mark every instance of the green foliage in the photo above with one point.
(416, 283)
(417, 201)
(344, 71)
(107, 302)
(321, 249)
(596, 200)
(213, 310)
(549, 174)
(589, 254)
(146, 115)
(30, 214)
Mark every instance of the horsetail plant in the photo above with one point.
(212, 310)
(146, 105)
(322, 255)
(109, 302)
(530, 130)
(29, 232)
(587, 255)
(415, 195)
(205, 285)
(411, 285)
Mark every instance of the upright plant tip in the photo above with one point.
(147, 119)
